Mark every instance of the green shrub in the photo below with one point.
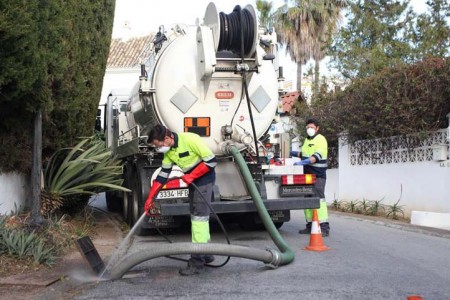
(73, 174)
(405, 100)
(45, 244)
(21, 243)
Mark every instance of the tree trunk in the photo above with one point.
(299, 77)
(316, 78)
(36, 218)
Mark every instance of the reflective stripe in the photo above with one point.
(164, 174)
(199, 218)
(211, 164)
(319, 165)
(200, 231)
(319, 156)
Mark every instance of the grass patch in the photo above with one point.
(26, 249)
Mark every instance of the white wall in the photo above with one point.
(332, 185)
(423, 185)
(13, 192)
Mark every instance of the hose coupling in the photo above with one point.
(276, 258)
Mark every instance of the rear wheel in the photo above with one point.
(127, 196)
(113, 203)
(126, 207)
(137, 207)
(141, 188)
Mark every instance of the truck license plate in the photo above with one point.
(169, 194)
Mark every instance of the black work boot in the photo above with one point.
(193, 268)
(307, 230)
(325, 228)
(208, 258)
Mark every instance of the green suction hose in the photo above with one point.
(287, 255)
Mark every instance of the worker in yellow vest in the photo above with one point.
(188, 151)
(314, 155)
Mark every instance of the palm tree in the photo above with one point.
(264, 9)
(294, 26)
(305, 29)
(326, 25)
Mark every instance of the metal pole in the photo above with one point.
(36, 218)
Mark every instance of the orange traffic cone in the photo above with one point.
(315, 239)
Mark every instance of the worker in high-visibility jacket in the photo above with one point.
(189, 152)
(314, 155)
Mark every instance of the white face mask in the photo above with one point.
(163, 149)
(310, 131)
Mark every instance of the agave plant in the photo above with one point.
(87, 168)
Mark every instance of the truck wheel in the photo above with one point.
(141, 187)
(113, 203)
(127, 196)
(126, 208)
(136, 207)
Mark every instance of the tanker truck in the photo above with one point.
(219, 79)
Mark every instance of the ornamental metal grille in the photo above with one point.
(396, 149)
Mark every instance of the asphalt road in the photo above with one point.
(369, 259)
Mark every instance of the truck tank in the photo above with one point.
(193, 84)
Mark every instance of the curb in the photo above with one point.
(394, 224)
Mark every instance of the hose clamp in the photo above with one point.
(276, 258)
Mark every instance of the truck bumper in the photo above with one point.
(179, 209)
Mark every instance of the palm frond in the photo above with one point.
(87, 168)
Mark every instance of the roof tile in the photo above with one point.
(129, 53)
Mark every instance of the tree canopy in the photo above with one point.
(401, 100)
(384, 33)
(53, 57)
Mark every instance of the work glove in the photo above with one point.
(303, 162)
(293, 153)
(149, 203)
(200, 170)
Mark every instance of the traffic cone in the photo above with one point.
(315, 239)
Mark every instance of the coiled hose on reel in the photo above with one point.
(231, 27)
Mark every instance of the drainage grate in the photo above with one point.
(90, 254)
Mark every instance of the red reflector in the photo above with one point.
(298, 179)
(174, 184)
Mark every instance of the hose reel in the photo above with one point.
(227, 29)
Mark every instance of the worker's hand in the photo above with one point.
(149, 205)
(188, 178)
(293, 153)
(303, 162)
